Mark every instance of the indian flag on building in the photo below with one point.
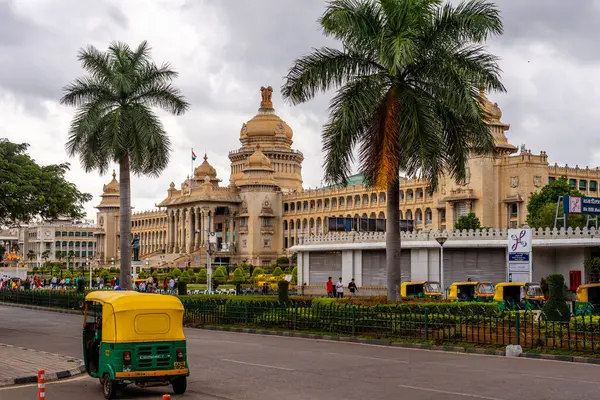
(193, 155)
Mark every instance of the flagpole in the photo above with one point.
(192, 171)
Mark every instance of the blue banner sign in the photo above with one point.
(581, 205)
(518, 256)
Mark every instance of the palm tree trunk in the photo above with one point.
(125, 224)
(392, 241)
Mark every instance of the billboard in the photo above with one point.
(581, 205)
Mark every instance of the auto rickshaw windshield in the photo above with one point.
(486, 288)
(433, 288)
(535, 291)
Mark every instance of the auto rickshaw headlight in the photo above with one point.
(179, 355)
(126, 358)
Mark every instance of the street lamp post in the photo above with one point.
(89, 265)
(147, 264)
(441, 240)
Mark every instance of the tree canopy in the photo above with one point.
(29, 190)
(466, 222)
(541, 209)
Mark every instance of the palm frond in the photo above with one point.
(357, 23)
(351, 110)
(324, 69)
(150, 147)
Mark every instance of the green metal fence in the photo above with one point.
(528, 329)
(440, 323)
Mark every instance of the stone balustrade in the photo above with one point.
(431, 235)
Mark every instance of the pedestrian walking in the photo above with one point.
(339, 288)
(329, 287)
(352, 288)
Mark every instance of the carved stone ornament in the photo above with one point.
(244, 129)
(244, 209)
(266, 94)
(280, 129)
(172, 185)
(537, 181)
(101, 222)
(514, 181)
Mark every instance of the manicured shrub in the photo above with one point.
(295, 276)
(176, 273)
(277, 272)
(239, 276)
(556, 309)
(219, 276)
(202, 276)
(258, 271)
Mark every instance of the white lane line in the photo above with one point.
(366, 358)
(473, 396)
(555, 378)
(257, 365)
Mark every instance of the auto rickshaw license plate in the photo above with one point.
(179, 364)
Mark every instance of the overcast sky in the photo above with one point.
(225, 50)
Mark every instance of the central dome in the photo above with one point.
(205, 169)
(266, 123)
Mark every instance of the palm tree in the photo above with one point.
(407, 78)
(46, 255)
(115, 121)
(31, 255)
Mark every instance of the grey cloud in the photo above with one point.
(569, 26)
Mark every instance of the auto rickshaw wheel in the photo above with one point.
(109, 387)
(179, 385)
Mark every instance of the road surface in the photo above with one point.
(228, 365)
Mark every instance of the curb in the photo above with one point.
(41, 308)
(386, 342)
(50, 376)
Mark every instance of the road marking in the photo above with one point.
(473, 396)
(365, 357)
(557, 378)
(257, 365)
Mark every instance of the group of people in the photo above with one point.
(337, 289)
(35, 282)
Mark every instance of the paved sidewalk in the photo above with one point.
(19, 365)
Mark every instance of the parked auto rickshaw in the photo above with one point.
(519, 296)
(134, 338)
(421, 289)
(588, 299)
(471, 291)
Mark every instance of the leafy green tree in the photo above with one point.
(46, 255)
(58, 255)
(115, 122)
(408, 80)
(28, 190)
(469, 221)
(31, 255)
(541, 209)
(294, 259)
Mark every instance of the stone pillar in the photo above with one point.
(184, 217)
(191, 217)
(205, 227)
(177, 231)
(197, 240)
(347, 267)
(171, 232)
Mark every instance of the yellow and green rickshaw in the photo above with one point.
(519, 296)
(134, 338)
(471, 291)
(588, 299)
(424, 289)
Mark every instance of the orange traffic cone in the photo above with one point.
(166, 397)
(41, 384)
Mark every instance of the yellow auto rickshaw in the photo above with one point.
(588, 299)
(425, 289)
(471, 291)
(134, 338)
(519, 296)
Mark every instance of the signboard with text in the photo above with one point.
(581, 205)
(519, 255)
